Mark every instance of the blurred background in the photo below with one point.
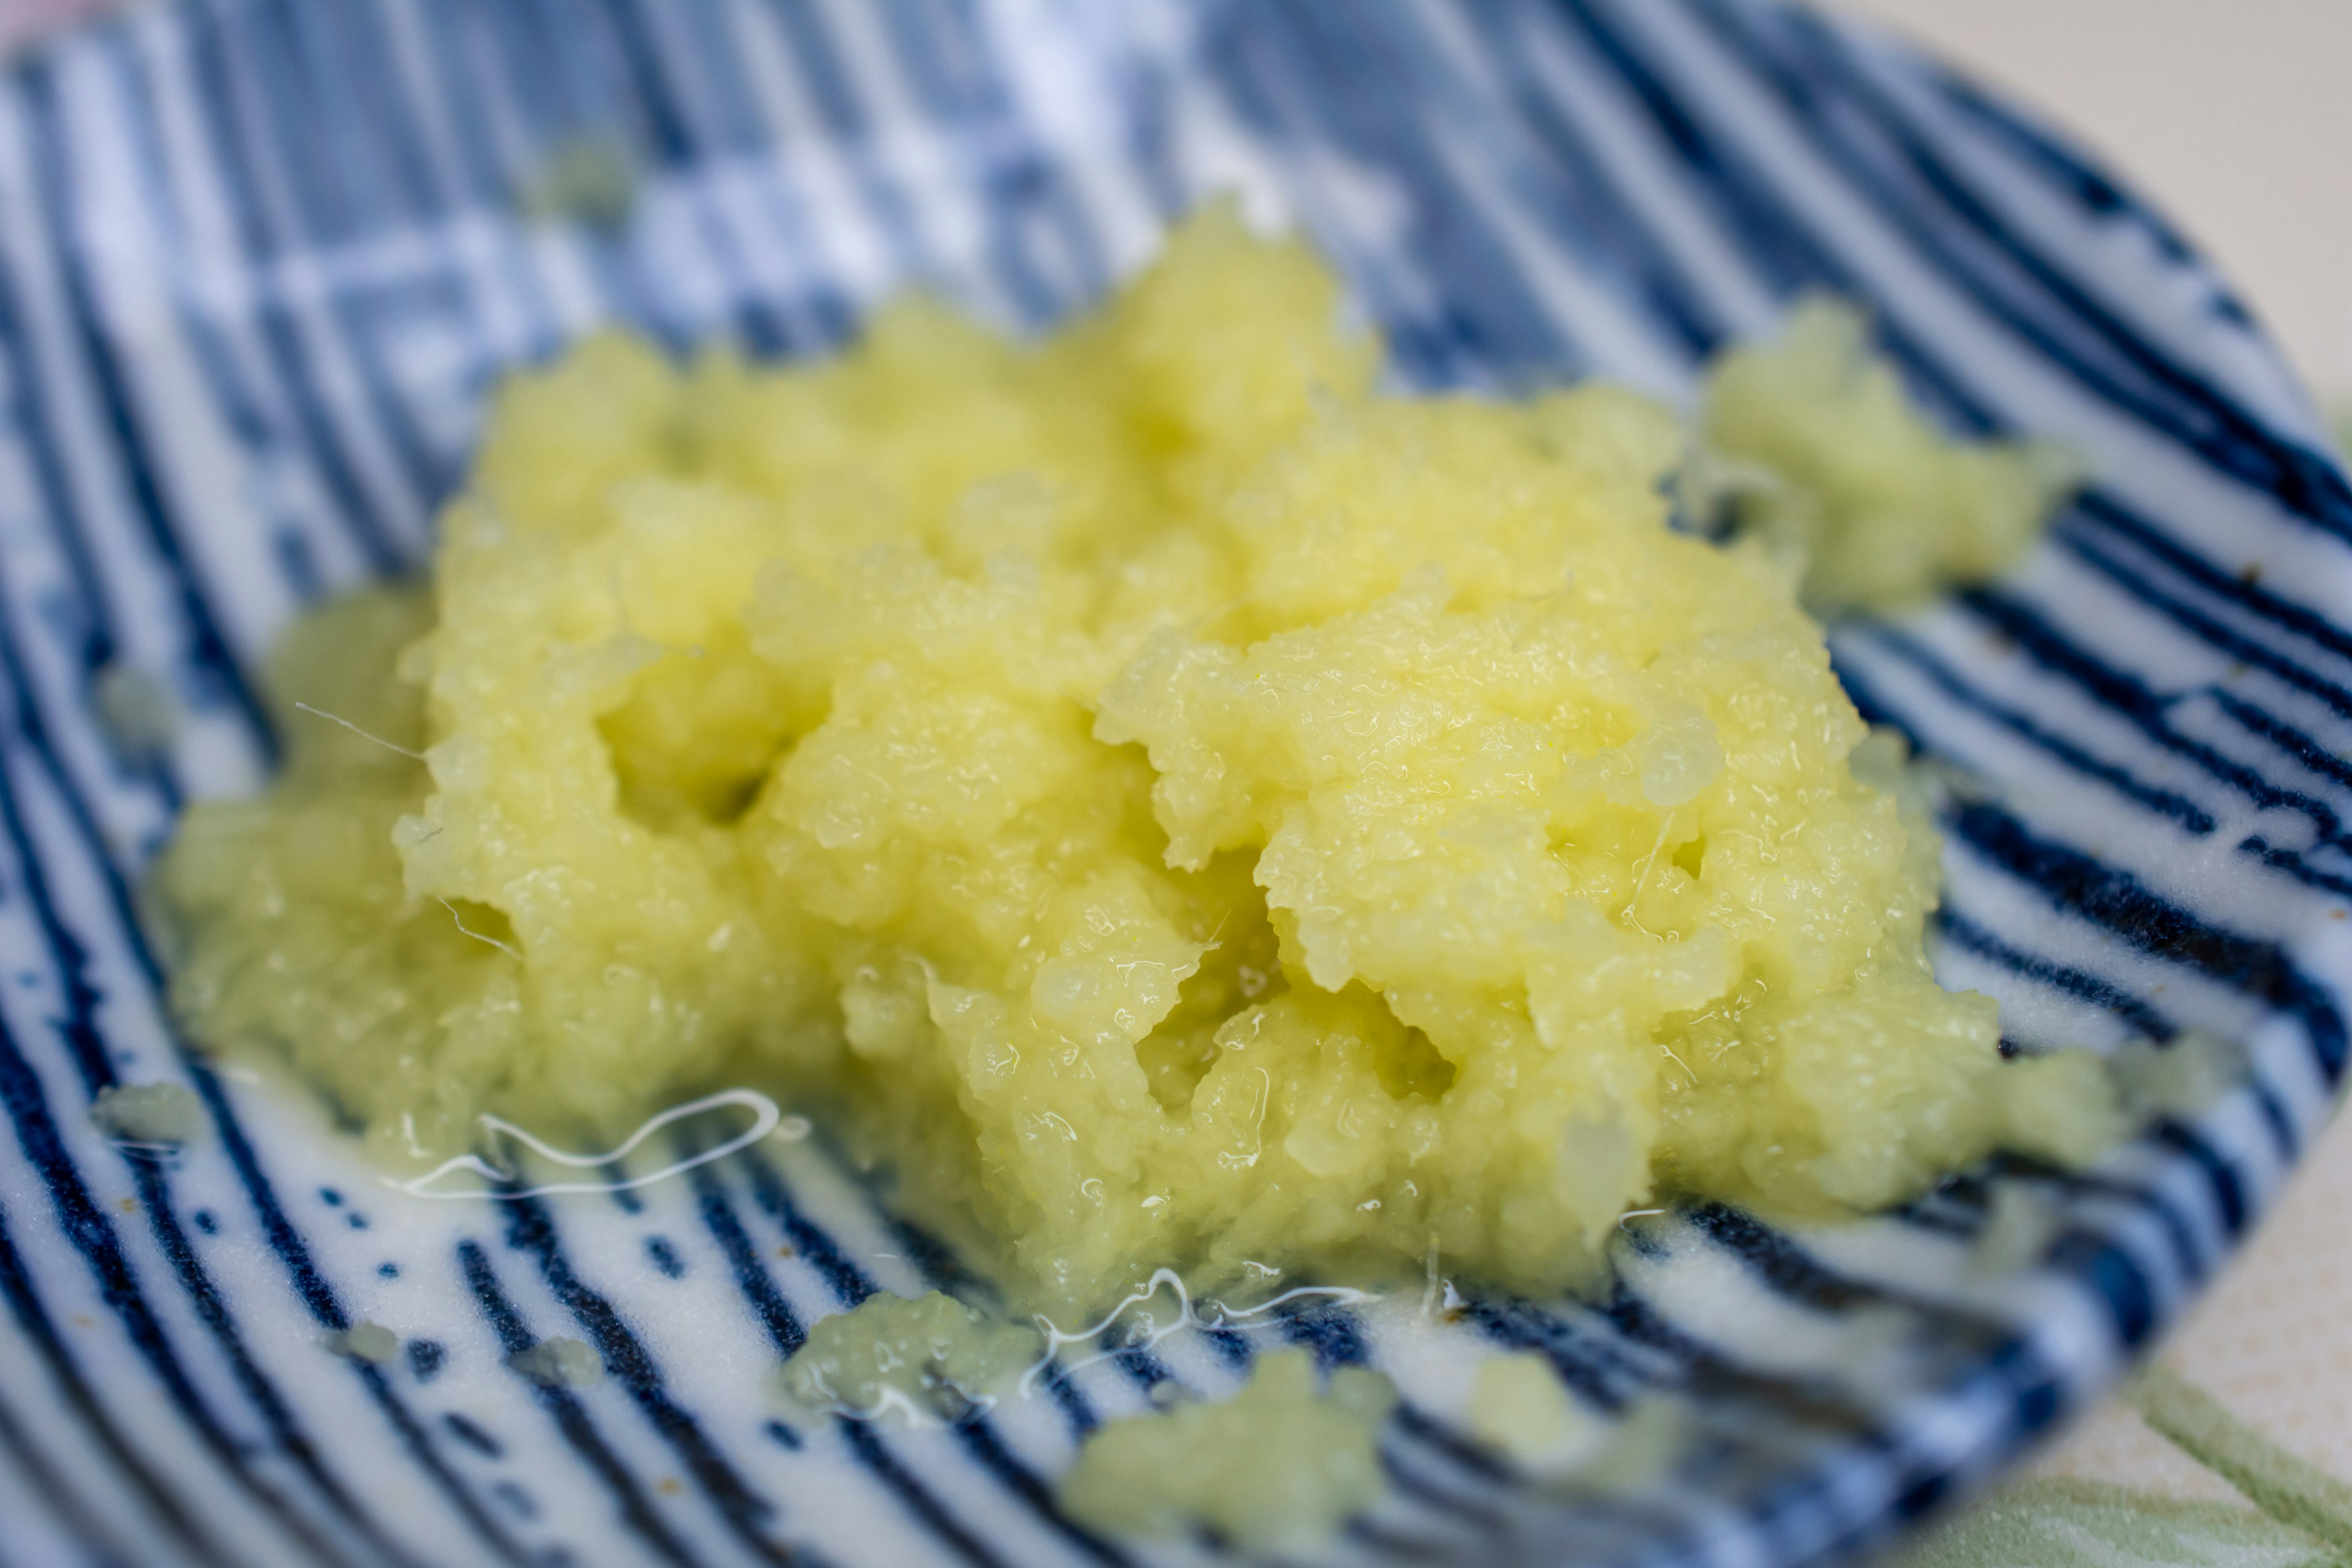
(2232, 113)
(2229, 112)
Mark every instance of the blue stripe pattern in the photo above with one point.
(259, 262)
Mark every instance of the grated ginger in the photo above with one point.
(1174, 803)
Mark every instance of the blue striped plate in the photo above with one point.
(259, 260)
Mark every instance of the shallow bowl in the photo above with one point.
(260, 260)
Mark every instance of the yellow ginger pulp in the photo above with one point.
(1172, 803)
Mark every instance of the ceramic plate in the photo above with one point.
(259, 261)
